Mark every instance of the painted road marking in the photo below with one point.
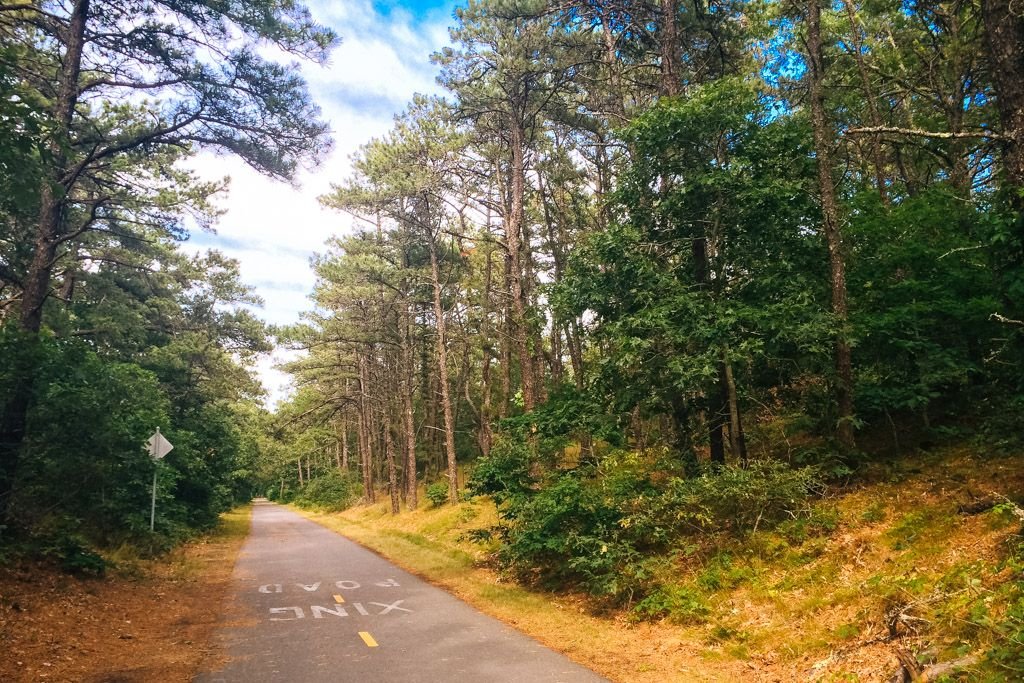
(338, 610)
(297, 611)
(389, 608)
(338, 599)
(368, 639)
(344, 584)
(318, 611)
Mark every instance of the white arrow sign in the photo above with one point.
(158, 445)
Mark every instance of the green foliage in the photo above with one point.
(713, 168)
(730, 499)
(437, 493)
(85, 473)
(567, 415)
(334, 491)
(678, 604)
(922, 295)
(506, 473)
(88, 424)
(602, 527)
(1006, 656)
(75, 557)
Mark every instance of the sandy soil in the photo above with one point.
(154, 626)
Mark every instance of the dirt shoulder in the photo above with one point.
(148, 621)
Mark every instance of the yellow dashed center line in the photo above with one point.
(368, 639)
(338, 599)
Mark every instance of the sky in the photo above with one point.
(273, 228)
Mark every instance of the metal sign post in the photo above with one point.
(158, 448)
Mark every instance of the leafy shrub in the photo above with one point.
(78, 559)
(568, 532)
(730, 499)
(504, 474)
(598, 527)
(71, 551)
(820, 520)
(437, 493)
(680, 604)
(333, 491)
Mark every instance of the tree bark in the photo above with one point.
(513, 236)
(411, 492)
(365, 453)
(344, 443)
(737, 441)
(389, 455)
(53, 190)
(1004, 31)
(878, 159)
(823, 140)
(486, 437)
(36, 284)
(442, 369)
(669, 43)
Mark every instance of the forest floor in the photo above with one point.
(146, 620)
(905, 562)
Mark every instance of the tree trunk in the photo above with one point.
(36, 285)
(737, 442)
(411, 492)
(442, 362)
(486, 437)
(557, 256)
(505, 341)
(344, 443)
(823, 140)
(513, 233)
(298, 461)
(611, 60)
(669, 48)
(389, 455)
(53, 190)
(1004, 30)
(365, 453)
(877, 158)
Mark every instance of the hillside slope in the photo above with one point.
(919, 562)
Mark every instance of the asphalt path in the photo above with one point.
(311, 606)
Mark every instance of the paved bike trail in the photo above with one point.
(311, 606)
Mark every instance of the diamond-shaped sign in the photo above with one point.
(158, 445)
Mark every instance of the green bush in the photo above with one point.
(437, 493)
(730, 499)
(679, 604)
(505, 473)
(597, 528)
(333, 491)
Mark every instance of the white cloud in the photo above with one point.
(272, 228)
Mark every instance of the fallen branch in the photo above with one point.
(978, 506)
(912, 672)
(1017, 511)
